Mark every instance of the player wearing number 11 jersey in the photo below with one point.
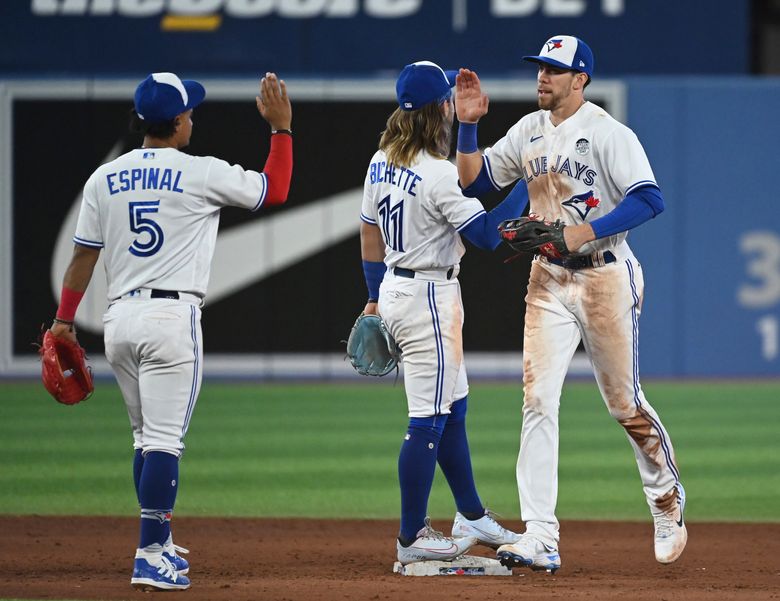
(413, 216)
(155, 213)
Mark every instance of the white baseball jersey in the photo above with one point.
(420, 210)
(577, 171)
(156, 212)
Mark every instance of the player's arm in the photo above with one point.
(74, 284)
(483, 231)
(372, 249)
(631, 172)
(637, 207)
(274, 106)
(471, 104)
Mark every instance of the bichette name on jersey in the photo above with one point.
(420, 209)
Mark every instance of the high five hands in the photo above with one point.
(273, 103)
(471, 103)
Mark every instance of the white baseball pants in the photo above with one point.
(425, 316)
(601, 306)
(155, 347)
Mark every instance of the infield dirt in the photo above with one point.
(330, 560)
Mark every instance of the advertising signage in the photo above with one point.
(364, 37)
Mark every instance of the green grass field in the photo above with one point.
(328, 450)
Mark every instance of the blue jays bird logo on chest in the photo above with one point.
(583, 203)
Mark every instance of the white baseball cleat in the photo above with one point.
(173, 553)
(486, 530)
(431, 545)
(671, 535)
(529, 552)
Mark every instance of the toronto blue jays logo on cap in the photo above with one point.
(565, 52)
(554, 44)
(162, 96)
(583, 203)
(421, 83)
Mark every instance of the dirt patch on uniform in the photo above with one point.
(319, 560)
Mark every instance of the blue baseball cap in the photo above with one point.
(162, 96)
(421, 83)
(566, 52)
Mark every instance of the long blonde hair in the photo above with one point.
(409, 132)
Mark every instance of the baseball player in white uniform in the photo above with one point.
(413, 216)
(590, 171)
(155, 210)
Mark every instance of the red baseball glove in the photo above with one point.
(64, 370)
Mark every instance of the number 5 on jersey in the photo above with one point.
(143, 225)
(392, 223)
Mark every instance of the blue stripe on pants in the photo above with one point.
(439, 348)
(637, 401)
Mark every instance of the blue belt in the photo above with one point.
(582, 262)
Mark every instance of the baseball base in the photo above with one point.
(466, 565)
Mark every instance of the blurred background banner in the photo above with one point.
(353, 37)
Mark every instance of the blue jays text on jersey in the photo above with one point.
(406, 179)
(144, 179)
(538, 166)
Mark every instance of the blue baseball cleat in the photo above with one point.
(157, 574)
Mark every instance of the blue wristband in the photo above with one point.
(374, 271)
(467, 138)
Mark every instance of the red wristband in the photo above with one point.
(69, 302)
(278, 169)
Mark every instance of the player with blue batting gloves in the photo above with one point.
(589, 171)
(413, 216)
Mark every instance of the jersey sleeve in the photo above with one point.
(232, 185)
(368, 208)
(457, 209)
(503, 160)
(89, 232)
(627, 162)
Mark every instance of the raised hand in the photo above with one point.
(273, 103)
(470, 102)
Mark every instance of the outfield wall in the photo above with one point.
(712, 259)
(287, 283)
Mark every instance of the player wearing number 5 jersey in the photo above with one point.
(155, 213)
(413, 216)
(591, 172)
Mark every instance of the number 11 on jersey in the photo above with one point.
(392, 223)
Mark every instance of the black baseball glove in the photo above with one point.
(534, 234)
